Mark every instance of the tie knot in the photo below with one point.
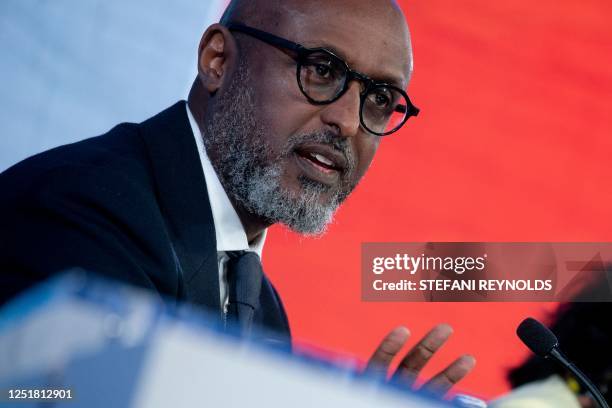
(235, 254)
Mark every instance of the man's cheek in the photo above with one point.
(364, 158)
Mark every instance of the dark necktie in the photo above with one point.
(244, 279)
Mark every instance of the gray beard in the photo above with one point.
(251, 173)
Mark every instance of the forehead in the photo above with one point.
(373, 40)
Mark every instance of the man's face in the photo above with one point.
(281, 157)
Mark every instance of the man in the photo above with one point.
(284, 118)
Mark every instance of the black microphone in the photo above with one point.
(544, 343)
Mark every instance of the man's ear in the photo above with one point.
(216, 56)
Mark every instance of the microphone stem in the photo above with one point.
(559, 356)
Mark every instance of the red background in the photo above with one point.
(513, 144)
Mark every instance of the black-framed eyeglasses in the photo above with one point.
(324, 77)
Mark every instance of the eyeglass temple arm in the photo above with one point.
(414, 111)
(265, 37)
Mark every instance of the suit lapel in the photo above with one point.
(182, 195)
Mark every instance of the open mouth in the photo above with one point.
(321, 163)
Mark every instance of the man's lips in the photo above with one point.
(323, 155)
(321, 163)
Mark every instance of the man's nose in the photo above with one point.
(344, 112)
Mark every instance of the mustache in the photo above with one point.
(341, 144)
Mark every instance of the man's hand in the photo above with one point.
(417, 357)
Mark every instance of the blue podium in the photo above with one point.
(110, 345)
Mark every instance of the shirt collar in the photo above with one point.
(229, 231)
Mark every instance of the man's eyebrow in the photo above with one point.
(395, 81)
(329, 47)
(386, 78)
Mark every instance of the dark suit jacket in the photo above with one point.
(131, 204)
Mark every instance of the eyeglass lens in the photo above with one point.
(322, 78)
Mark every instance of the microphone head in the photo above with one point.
(537, 337)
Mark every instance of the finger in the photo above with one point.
(388, 349)
(442, 382)
(419, 355)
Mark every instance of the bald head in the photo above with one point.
(263, 11)
(381, 20)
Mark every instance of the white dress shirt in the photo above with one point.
(229, 231)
